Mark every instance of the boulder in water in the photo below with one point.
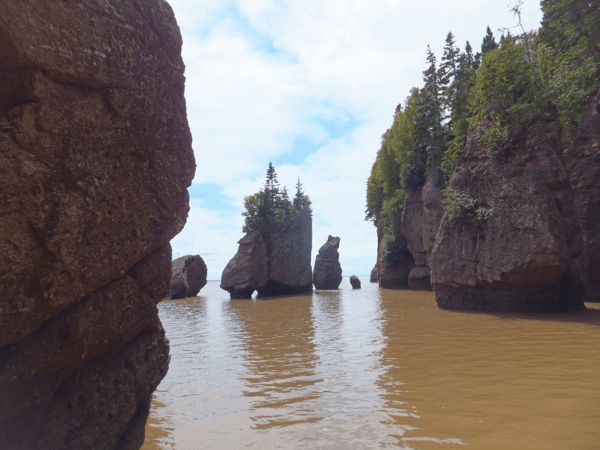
(188, 276)
(355, 282)
(328, 271)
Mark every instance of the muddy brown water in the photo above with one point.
(371, 368)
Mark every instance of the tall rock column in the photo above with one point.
(328, 271)
(95, 158)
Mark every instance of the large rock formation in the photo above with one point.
(328, 271)
(95, 158)
(248, 270)
(583, 164)
(420, 222)
(533, 251)
(395, 263)
(188, 276)
(374, 278)
(355, 282)
(272, 262)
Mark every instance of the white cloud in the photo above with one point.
(254, 86)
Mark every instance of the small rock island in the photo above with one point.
(188, 277)
(328, 271)
(274, 256)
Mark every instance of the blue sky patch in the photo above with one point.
(211, 196)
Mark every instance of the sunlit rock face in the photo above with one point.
(188, 276)
(537, 250)
(95, 158)
(272, 262)
(328, 271)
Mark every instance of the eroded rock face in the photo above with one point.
(188, 276)
(583, 164)
(290, 270)
(95, 159)
(328, 271)
(272, 263)
(528, 254)
(374, 278)
(355, 282)
(248, 270)
(420, 223)
(394, 272)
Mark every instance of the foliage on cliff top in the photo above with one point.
(517, 82)
(270, 209)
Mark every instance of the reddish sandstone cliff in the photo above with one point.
(537, 249)
(95, 158)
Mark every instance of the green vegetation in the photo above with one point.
(510, 86)
(270, 208)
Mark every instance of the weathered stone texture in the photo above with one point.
(528, 254)
(188, 276)
(95, 159)
(290, 270)
(248, 270)
(355, 282)
(328, 271)
(583, 164)
(272, 262)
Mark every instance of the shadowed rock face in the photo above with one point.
(529, 254)
(188, 277)
(248, 270)
(420, 223)
(583, 164)
(355, 282)
(95, 158)
(328, 271)
(272, 263)
(374, 278)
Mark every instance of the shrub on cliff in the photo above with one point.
(270, 208)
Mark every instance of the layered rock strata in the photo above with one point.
(518, 245)
(328, 271)
(272, 262)
(188, 277)
(95, 159)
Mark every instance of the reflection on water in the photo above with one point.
(281, 361)
(373, 368)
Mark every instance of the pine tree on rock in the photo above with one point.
(489, 43)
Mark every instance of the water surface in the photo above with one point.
(371, 368)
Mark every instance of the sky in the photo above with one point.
(310, 85)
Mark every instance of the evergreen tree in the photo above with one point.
(270, 208)
(449, 65)
(429, 124)
(489, 43)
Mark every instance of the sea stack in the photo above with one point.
(188, 277)
(355, 282)
(272, 262)
(96, 158)
(328, 271)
